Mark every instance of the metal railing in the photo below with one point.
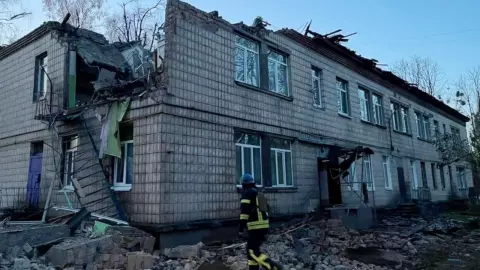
(18, 199)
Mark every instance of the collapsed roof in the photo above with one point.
(366, 67)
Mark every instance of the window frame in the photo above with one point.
(123, 186)
(277, 62)
(442, 178)
(370, 184)
(275, 182)
(423, 126)
(386, 165)
(365, 100)
(423, 172)
(413, 170)
(455, 134)
(41, 81)
(379, 107)
(317, 75)
(461, 177)
(69, 167)
(251, 146)
(434, 175)
(401, 114)
(341, 90)
(245, 59)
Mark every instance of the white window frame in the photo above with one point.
(387, 174)
(343, 90)
(316, 80)
(252, 160)
(122, 186)
(367, 161)
(276, 64)
(284, 161)
(364, 99)
(413, 169)
(72, 149)
(245, 58)
(461, 178)
(352, 178)
(377, 107)
(41, 73)
(401, 112)
(426, 127)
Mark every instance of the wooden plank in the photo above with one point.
(79, 188)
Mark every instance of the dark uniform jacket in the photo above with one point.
(250, 215)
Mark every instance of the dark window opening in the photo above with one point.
(36, 148)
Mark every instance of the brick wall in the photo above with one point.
(19, 129)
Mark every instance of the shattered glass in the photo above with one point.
(272, 86)
(252, 68)
(239, 64)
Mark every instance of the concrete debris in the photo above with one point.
(397, 243)
(183, 252)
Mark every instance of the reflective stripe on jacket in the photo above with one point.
(255, 218)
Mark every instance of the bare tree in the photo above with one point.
(135, 22)
(425, 73)
(468, 92)
(84, 13)
(10, 12)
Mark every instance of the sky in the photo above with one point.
(387, 30)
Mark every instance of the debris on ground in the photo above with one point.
(396, 243)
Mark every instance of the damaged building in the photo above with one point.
(161, 139)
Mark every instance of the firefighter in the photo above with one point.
(254, 218)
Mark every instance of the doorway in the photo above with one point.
(402, 185)
(334, 186)
(34, 174)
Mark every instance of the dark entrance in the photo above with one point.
(34, 174)
(402, 185)
(334, 187)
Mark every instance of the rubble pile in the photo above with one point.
(395, 244)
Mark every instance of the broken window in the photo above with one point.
(434, 176)
(277, 73)
(400, 118)
(248, 156)
(352, 178)
(317, 87)
(342, 97)
(423, 126)
(368, 173)
(281, 162)
(442, 177)
(414, 180)
(377, 109)
(41, 79)
(123, 166)
(71, 148)
(461, 178)
(387, 175)
(424, 174)
(247, 61)
(365, 113)
(455, 134)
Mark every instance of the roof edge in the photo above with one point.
(34, 35)
(382, 75)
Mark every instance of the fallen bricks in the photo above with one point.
(35, 236)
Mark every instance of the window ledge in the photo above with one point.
(288, 98)
(344, 115)
(122, 188)
(389, 189)
(274, 189)
(403, 133)
(372, 124)
(425, 140)
(67, 189)
(319, 107)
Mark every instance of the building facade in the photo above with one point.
(233, 99)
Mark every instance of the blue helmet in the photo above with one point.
(247, 179)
